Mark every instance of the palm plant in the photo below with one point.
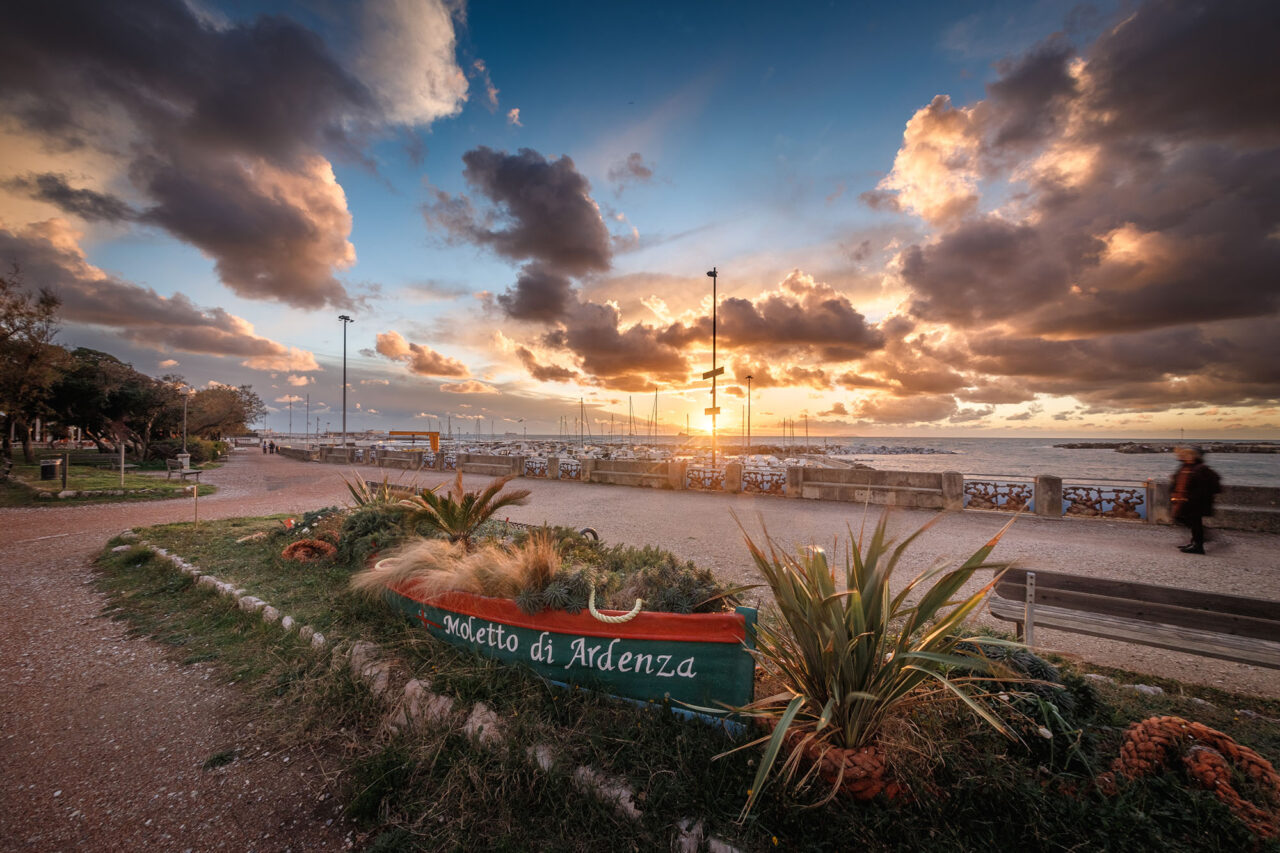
(457, 513)
(851, 659)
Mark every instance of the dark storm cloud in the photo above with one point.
(1029, 94)
(630, 359)
(541, 210)
(905, 410)
(802, 314)
(1179, 69)
(774, 375)
(538, 294)
(545, 372)
(89, 205)
(1133, 265)
(221, 128)
(46, 253)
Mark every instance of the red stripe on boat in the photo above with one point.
(678, 627)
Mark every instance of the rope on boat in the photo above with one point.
(612, 620)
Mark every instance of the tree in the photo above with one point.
(223, 410)
(30, 363)
(110, 400)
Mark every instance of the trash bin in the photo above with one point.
(51, 469)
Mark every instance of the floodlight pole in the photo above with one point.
(714, 371)
(345, 320)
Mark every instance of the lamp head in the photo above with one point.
(711, 273)
(344, 318)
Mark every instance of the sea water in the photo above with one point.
(1027, 457)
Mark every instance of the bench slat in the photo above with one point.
(1013, 582)
(1145, 611)
(1206, 643)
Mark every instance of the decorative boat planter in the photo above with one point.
(698, 659)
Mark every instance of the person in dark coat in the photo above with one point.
(1191, 493)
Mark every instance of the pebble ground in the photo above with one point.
(103, 737)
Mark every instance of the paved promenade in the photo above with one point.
(103, 738)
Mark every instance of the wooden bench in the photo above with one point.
(173, 466)
(1229, 627)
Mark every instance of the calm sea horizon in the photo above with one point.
(1026, 457)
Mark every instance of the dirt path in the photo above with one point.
(103, 738)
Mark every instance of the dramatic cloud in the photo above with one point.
(225, 208)
(419, 359)
(1127, 252)
(774, 375)
(542, 210)
(49, 253)
(168, 364)
(513, 117)
(86, 204)
(962, 416)
(545, 372)
(407, 58)
(801, 315)
(223, 128)
(905, 410)
(637, 358)
(539, 294)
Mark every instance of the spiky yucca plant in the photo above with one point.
(457, 513)
(364, 493)
(852, 658)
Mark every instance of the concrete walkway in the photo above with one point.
(103, 737)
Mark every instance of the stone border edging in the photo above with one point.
(417, 706)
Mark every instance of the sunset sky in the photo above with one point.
(928, 218)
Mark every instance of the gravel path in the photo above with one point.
(104, 738)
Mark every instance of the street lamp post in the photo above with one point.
(748, 413)
(714, 371)
(345, 320)
(186, 395)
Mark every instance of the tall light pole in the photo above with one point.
(748, 413)
(345, 320)
(714, 371)
(186, 395)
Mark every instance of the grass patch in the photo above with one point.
(87, 478)
(972, 789)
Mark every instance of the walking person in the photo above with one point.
(1192, 489)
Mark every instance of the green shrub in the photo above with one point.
(368, 530)
(201, 449)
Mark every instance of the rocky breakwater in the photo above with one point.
(1207, 447)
